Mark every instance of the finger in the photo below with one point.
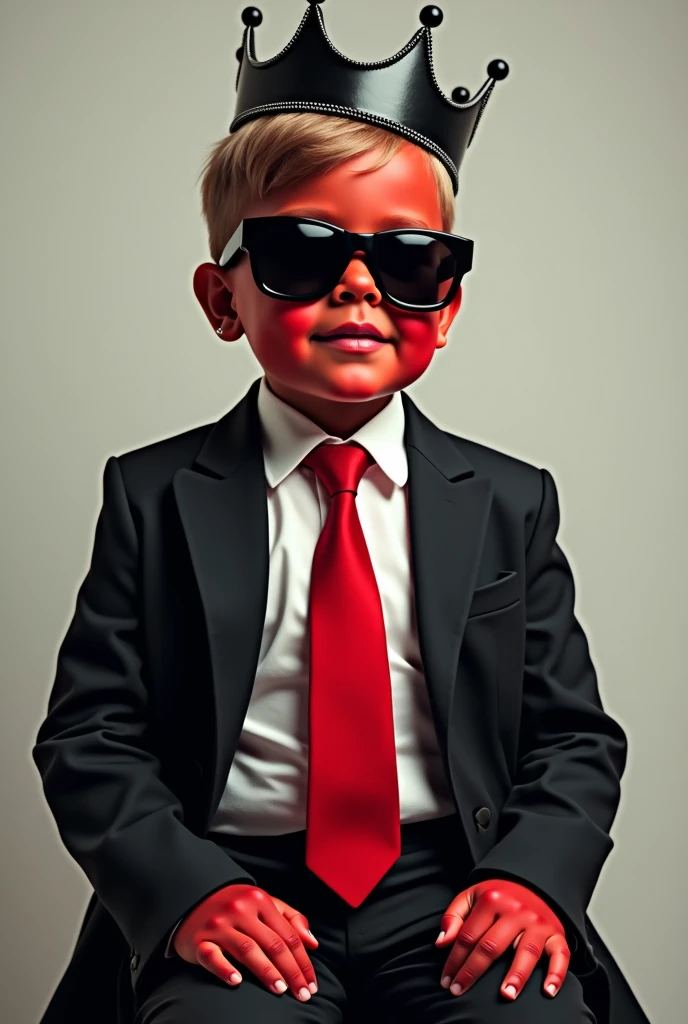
(210, 956)
(529, 951)
(481, 918)
(488, 948)
(451, 923)
(285, 950)
(559, 954)
(249, 952)
(289, 918)
(293, 926)
(454, 916)
(299, 923)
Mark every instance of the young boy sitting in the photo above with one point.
(324, 694)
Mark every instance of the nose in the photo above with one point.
(356, 283)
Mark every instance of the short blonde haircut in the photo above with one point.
(282, 149)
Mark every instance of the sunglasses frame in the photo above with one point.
(460, 247)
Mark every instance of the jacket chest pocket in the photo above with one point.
(493, 597)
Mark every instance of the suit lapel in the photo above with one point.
(223, 511)
(448, 514)
(224, 517)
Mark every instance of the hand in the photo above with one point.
(484, 919)
(264, 933)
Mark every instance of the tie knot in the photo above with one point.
(339, 467)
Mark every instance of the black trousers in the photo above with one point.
(375, 963)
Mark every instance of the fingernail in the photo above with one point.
(313, 987)
(312, 935)
(439, 937)
(304, 994)
(551, 989)
(510, 990)
(280, 987)
(446, 981)
(236, 978)
(456, 989)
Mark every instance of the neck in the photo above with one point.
(341, 419)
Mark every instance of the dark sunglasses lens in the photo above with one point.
(296, 258)
(415, 268)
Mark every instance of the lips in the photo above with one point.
(352, 329)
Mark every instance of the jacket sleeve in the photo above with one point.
(169, 948)
(100, 775)
(553, 831)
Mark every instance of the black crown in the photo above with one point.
(399, 93)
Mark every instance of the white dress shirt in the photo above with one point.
(266, 788)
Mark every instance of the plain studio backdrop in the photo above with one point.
(569, 352)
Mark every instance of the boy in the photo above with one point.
(324, 672)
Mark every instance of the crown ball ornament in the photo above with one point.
(252, 16)
(398, 93)
(498, 69)
(431, 16)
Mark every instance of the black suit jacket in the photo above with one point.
(155, 673)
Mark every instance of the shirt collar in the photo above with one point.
(289, 436)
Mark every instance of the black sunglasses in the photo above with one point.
(301, 260)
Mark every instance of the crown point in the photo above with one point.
(431, 16)
(498, 69)
(251, 16)
(460, 94)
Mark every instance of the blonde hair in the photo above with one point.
(281, 149)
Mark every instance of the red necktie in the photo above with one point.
(353, 829)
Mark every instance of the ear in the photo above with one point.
(213, 288)
(446, 318)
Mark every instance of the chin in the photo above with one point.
(357, 388)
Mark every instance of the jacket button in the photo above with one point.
(482, 817)
(134, 962)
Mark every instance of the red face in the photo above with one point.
(318, 376)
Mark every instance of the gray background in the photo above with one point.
(569, 352)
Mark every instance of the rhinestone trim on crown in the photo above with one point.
(360, 115)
